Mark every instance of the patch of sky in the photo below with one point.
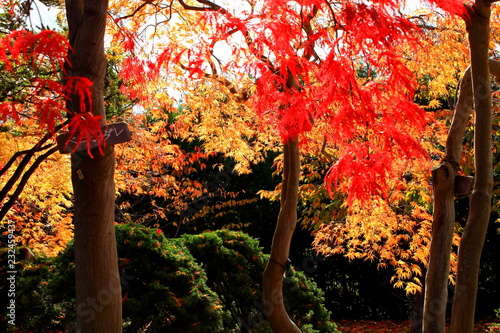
(43, 17)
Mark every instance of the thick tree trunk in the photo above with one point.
(287, 220)
(98, 292)
(98, 289)
(472, 241)
(453, 151)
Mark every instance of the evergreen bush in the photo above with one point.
(211, 282)
(234, 264)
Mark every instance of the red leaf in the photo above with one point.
(26, 47)
(363, 170)
(52, 45)
(80, 87)
(454, 7)
(45, 86)
(85, 127)
(49, 113)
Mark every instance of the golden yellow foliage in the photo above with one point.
(442, 56)
(41, 215)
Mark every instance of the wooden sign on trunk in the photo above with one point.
(463, 185)
(113, 134)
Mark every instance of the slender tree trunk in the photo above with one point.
(472, 241)
(436, 284)
(454, 141)
(287, 220)
(98, 292)
(480, 206)
(417, 313)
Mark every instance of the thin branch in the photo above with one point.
(210, 6)
(24, 180)
(141, 6)
(241, 96)
(17, 154)
(324, 152)
(39, 146)
(307, 27)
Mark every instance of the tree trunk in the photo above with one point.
(472, 241)
(98, 292)
(287, 219)
(417, 315)
(480, 205)
(436, 282)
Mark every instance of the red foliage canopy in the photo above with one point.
(331, 62)
(45, 96)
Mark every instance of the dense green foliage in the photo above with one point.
(234, 265)
(209, 282)
(163, 288)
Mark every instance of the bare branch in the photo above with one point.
(24, 180)
(20, 153)
(144, 4)
(209, 6)
(39, 146)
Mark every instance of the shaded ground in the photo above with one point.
(387, 326)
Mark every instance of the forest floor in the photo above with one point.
(387, 326)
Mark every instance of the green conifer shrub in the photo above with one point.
(211, 282)
(234, 264)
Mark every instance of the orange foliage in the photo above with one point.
(350, 100)
(364, 129)
(41, 214)
(375, 120)
(154, 165)
(32, 111)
